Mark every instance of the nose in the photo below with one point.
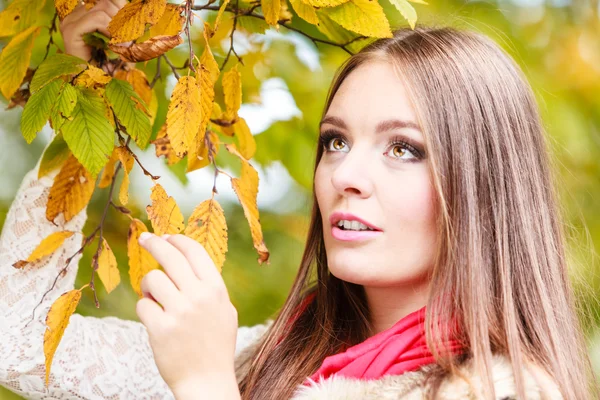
(352, 175)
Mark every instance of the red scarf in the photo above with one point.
(399, 349)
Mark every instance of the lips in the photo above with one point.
(339, 215)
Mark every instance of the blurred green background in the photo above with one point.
(285, 81)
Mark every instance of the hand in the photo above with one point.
(82, 21)
(193, 334)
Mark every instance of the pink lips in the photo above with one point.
(347, 236)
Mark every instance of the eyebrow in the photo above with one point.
(382, 126)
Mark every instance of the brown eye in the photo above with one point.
(398, 151)
(337, 144)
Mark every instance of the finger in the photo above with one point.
(119, 3)
(198, 257)
(157, 285)
(149, 313)
(97, 20)
(174, 263)
(74, 15)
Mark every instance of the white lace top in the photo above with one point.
(98, 358)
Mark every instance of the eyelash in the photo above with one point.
(326, 136)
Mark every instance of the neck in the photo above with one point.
(388, 305)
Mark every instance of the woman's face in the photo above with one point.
(367, 171)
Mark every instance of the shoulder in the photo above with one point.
(412, 385)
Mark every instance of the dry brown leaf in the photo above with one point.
(163, 146)
(130, 22)
(140, 260)
(164, 214)
(108, 270)
(56, 322)
(246, 189)
(148, 49)
(71, 191)
(184, 115)
(208, 227)
(48, 246)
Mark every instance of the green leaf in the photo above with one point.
(55, 156)
(252, 25)
(120, 95)
(65, 103)
(37, 110)
(407, 11)
(89, 134)
(54, 67)
(365, 17)
(14, 61)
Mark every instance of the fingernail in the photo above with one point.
(144, 236)
(166, 236)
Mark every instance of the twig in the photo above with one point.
(173, 68)
(52, 30)
(188, 21)
(157, 75)
(231, 48)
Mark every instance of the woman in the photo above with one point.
(434, 265)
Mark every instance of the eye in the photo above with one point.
(333, 142)
(401, 151)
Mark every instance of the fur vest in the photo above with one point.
(413, 386)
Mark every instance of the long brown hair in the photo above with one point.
(501, 264)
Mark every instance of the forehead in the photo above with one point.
(371, 93)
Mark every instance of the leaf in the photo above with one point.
(64, 106)
(89, 135)
(19, 15)
(55, 66)
(184, 115)
(56, 322)
(65, 7)
(130, 22)
(207, 226)
(37, 110)
(171, 22)
(108, 172)
(127, 161)
(271, 9)
(55, 156)
(148, 49)
(207, 58)
(138, 80)
(164, 214)
(93, 77)
(246, 189)
(332, 29)
(14, 60)
(71, 191)
(163, 146)
(218, 18)
(232, 91)
(140, 260)
(207, 96)
(324, 3)
(407, 11)
(124, 101)
(246, 142)
(305, 11)
(252, 25)
(108, 270)
(200, 160)
(48, 246)
(362, 16)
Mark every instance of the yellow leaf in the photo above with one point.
(19, 15)
(108, 270)
(284, 12)
(207, 59)
(208, 227)
(207, 96)
(163, 146)
(209, 143)
(140, 260)
(365, 17)
(71, 191)
(246, 142)
(48, 246)
(246, 189)
(305, 11)
(92, 78)
(171, 22)
(56, 322)
(127, 160)
(130, 22)
(232, 91)
(324, 3)
(89, 4)
(109, 170)
(14, 60)
(219, 16)
(407, 11)
(184, 115)
(271, 9)
(65, 7)
(164, 214)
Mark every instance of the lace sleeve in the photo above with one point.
(98, 358)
